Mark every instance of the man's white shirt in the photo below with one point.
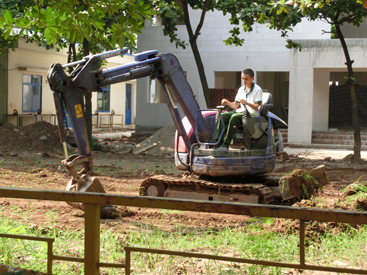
(255, 96)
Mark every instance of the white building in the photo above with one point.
(25, 89)
(299, 81)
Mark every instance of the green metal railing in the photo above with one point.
(92, 202)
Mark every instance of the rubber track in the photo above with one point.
(264, 192)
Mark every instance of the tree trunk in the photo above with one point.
(201, 70)
(88, 99)
(357, 130)
(71, 55)
(195, 51)
(353, 97)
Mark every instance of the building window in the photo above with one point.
(32, 93)
(103, 99)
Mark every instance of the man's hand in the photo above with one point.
(232, 105)
(243, 101)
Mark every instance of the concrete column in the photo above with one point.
(320, 115)
(300, 105)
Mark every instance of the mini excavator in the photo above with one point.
(235, 175)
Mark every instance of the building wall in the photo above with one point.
(28, 58)
(264, 50)
(309, 83)
(350, 31)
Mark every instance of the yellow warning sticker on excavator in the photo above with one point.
(78, 110)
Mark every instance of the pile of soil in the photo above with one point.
(41, 137)
(161, 142)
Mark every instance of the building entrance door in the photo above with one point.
(128, 105)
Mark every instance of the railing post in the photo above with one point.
(49, 257)
(127, 261)
(92, 239)
(302, 242)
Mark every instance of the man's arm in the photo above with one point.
(232, 105)
(254, 106)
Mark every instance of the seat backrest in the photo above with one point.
(251, 126)
(267, 97)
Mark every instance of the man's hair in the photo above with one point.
(249, 72)
(275, 128)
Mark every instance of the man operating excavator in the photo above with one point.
(246, 104)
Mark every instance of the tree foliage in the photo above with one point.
(101, 22)
(94, 25)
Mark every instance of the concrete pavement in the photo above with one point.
(316, 153)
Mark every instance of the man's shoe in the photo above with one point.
(222, 148)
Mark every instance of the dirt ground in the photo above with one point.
(35, 162)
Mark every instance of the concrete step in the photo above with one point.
(333, 136)
(337, 141)
(330, 139)
(284, 133)
(339, 132)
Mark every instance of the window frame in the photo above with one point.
(32, 85)
(104, 89)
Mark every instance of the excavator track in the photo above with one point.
(162, 182)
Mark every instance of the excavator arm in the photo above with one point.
(87, 77)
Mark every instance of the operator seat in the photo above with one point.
(251, 127)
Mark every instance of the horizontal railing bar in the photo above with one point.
(242, 260)
(277, 211)
(81, 260)
(23, 237)
(111, 265)
(58, 257)
(67, 259)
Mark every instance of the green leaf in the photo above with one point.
(280, 10)
(68, 22)
(48, 36)
(131, 37)
(121, 41)
(6, 32)
(99, 24)
(8, 17)
(72, 35)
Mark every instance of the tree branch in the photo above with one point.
(113, 14)
(200, 25)
(187, 20)
(351, 18)
(323, 32)
(39, 15)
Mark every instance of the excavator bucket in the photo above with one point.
(85, 183)
(81, 181)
